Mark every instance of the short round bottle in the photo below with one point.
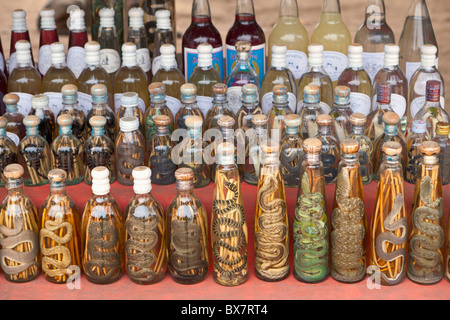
(375, 124)
(309, 112)
(100, 107)
(250, 107)
(291, 152)
(158, 107)
(70, 107)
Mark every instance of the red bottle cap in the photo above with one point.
(433, 91)
(384, 91)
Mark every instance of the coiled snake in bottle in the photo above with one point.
(347, 238)
(224, 208)
(291, 173)
(272, 247)
(164, 168)
(128, 158)
(425, 261)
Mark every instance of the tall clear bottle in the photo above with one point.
(373, 35)
(413, 143)
(78, 38)
(15, 129)
(70, 107)
(375, 124)
(158, 106)
(358, 122)
(417, 32)
(48, 128)
(341, 112)
(310, 111)
(256, 136)
(100, 107)
(109, 42)
(8, 150)
(290, 32)
(442, 137)
(335, 37)
(19, 32)
(163, 36)
(189, 106)
(278, 112)
(291, 152)
(331, 153)
(138, 36)
(49, 35)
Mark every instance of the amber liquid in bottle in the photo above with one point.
(8, 151)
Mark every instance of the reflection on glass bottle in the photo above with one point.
(330, 154)
(100, 107)
(254, 156)
(341, 112)
(310, 111)
(278, 112)
(375, 125)
(129, 107)
(70, 107)
(291, 155)
(19, 32)
(413, 143)
(15, 127)
(358, 122)
(189, 106)
(158, 107)
(442, 137)
(117, 15)
(8, 150)
(48, 127)
(164, 35)
(188, 232)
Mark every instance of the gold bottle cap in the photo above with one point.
(157, 88)
(69, 90)
(293, 120)
(350, 146)
(324, 120)
(184, 174)
(311, 90)
(268, 147)
(220, 89)
(392, 148)
(99, 90)
(391, 118)
(312, 146)
(11, 98)
(226, 121)
(97, 121)
(194, 121)
(57, 175)
(259, 120)
(430, 148)
(225, 149)
(162, 120)
(243, 46)
(358, 119)
(31, 121)
(65, 120)
(3, 122)
(442, 128)
(13, 171)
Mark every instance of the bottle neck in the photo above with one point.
(201, 12)
(185, 187)
(358, 130)
(350, 160)
(14, 186)
(162, 130)
(331, 6)
(11, 108)
(433, 104)
(260, 130)
(418, 8)
(392, 163)
(58, 188)
(227, 134)
(65, 130)
(32, 131)
(324, 131)
(312, 158)
(271, 159)
(98, 131)
(430, 161)
(292, 131)
(195, 133)
(245, 10)
(250, 106)
(289, 8)
(281, 106)
(375, 12)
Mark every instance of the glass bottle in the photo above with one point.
(19, 32)
(417, 86)
(357, 79)
(442, 137)
(78, 37)
(432, 111)
(15, 129)
(271, 219)
(278, 112)
(309, 112)
(24, 80)
(57, 76)
(70, 107)
(60, 251)
(348, 220)
(245, 28)
(375, 125)
(49, 35)
(188, 232)
(118, 13)
(242, 73)
(164, 35)
(35, 154)
(399, 85)
(129, 107)
(130, 150)
(145, 233)
(335, 37)
(138, 36)
(417, 32)
(426, 233)
(204, 77)
(311, 249)
(228, 227)
(341, 112)
(67, 152)
(109, 42)
(330, 154)
(158, 107)
(373, 35)
(19, 230)
(48, 128)
(130, 78)
(317, 76)
(3, 87)
(389, 228)
(200, 31)
(250, 106)
(278, 74)
(98, 151)
(291, 154)
(102, 233)
(219, 108)
(290, 32)
(100, 107)
(358, 122)
(189, 106)
(413, 143)
(159, 149)
(2, 60)
(255, 136)
(391, 121)
(8, 150)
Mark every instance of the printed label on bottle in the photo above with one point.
(411, 68)
(325, 107)
(24, 104)
(191, 61)
(173, 104)
(267, 102)
(76, 60)
(14, 137)
(143, 59)
(234, 97)
(204, 104)
(118, 102)
(361, 103)
(373, 62)
(12, 62)
(85, 102)
(257, 60)
(334, 64)
(418, 103)
(45, 59)
(55, 102)
(297, 62)
(2, 62)
(110, 60)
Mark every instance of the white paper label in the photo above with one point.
(76, 60)
(398, 104)
(361, 103)
(55, 102)
(12, 62)
(14, 137)
(110, 60)
(437, 63)
(267, 102)
(373, 62)
(411, 68)
(173, 104)
(204, 104)
(297, 62)
(85, 102)
(45, 59)
(118, 102)
(234, 97)
(156, 65)
(2, 62)
(418, 103)
(325, 107)
(143, 59)
(24, 104)
(334, 64)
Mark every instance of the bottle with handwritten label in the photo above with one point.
(163, 36)
(70, 107)
(358, 122)
(310, 111)
(278, 112)
(331, 153)
(100, 107)
(19, 32)
(8, 150)
(189, 106)
(158, 106)
(78, 37)
(48, 127)
(291, 152)
(138, 36)
(375, 125)
(413, 143)
(109, 42)
(15, 129)
(341, 112)
(49, 35)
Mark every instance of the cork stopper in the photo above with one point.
(226, 122)
(3, 122)
(350, 146)
(225, 149)
(243, 46)
(188, 93)
(293, 120)
(97, 121)
(65, 120)
(442, 129)
(342, 95)
(311, 94)
(358, 119)
(194, 122)
(11, 99)
(57, 176)
(184, 174)
(142, 180)
(250, 93)
(392, 148)
(99, 90)
(162, 120)
(220, 89)
(31, 121)
(13, 171)
(280, 94)
(324, 120)
(268, 147)
(312, 146)
(157, 92)
(430, 148)
(69, 90)
(391, 118)
(259, 120)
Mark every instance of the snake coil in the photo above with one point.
(127, 161)
(164, 168)
(291, 173)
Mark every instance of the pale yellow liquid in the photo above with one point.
(25, 80)
(173, 79)
(92, 76)
(132, 80)
(56, 78)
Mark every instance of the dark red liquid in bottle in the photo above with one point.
(17, 36)
(2, 58)
(3, 91)
(78, 39)
(48, 37)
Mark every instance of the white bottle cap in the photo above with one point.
(129, 100)
(129, 57)
(168, 56)
(142, 180)
(315, 55)
(129, 124)
(23, 50)
(205, 55)
(76, 20)
(57, 50)
(48, 19)
(163, 19)
(391, 55)
(136, 17)
(279, 56)
(19, 21)
(355, 59)
(92, 53)
(429, 53)
(40, 101)
(107, 17)
(100, 181)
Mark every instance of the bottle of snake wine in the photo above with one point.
(358, 121)
(145, 238)
(219, 108)
(189, 106)
(158, 107)
(60, 251)
(341, 112)
(164, 35)
(389, 227)
(48, 128)
(8, 150)
(254, 156)
(415, 139)
(442, 137)
(310, 111)
(330, 154)
(15, 127)
(348, 220)
(229, 228)
(100, 107)
(102, 233)
(78, 38)
(67, 152)
(187, 232)
(160, 152)
(291, 155)
(71, 107)
(129, 107)
(19, 230)
(130, 150)
(311, 221)
(278, 112)
(271, 219)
